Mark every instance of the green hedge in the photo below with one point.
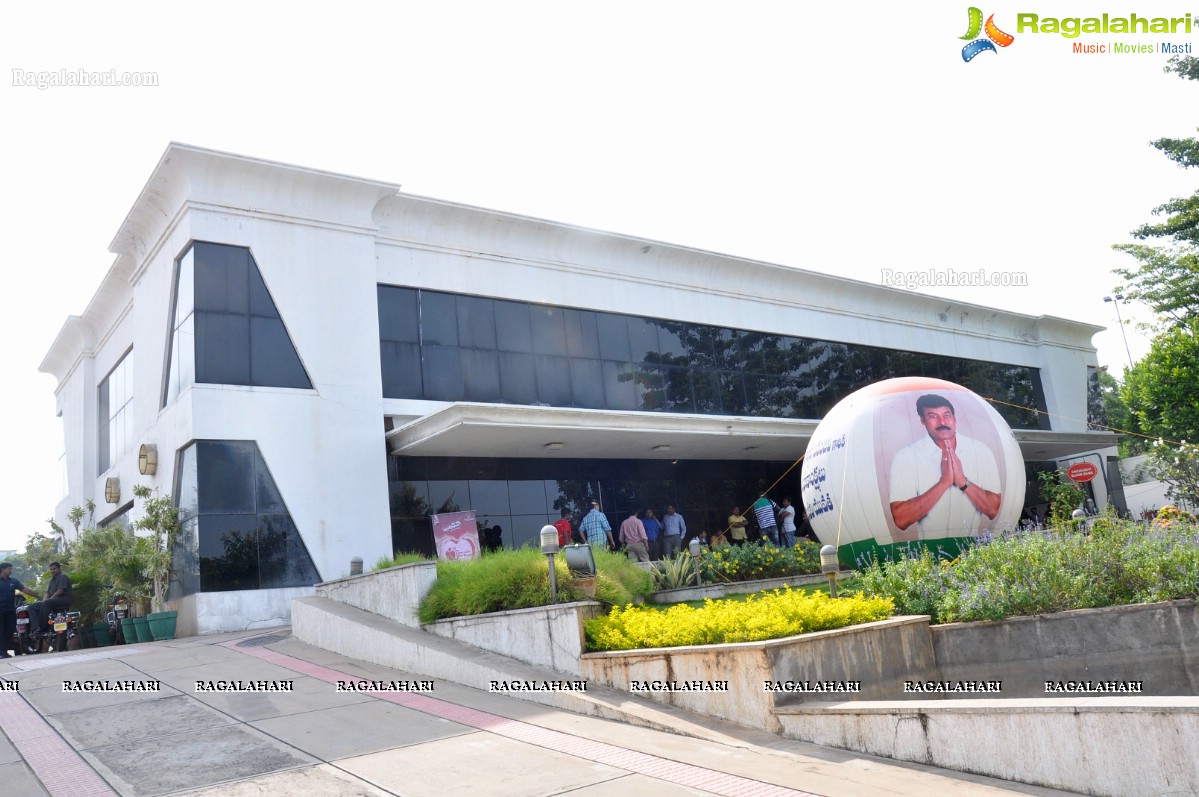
(1117, 563)
(519, 579)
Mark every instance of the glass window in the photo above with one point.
(614, 337)
(582, 334)
(512, 327)
(489, 497)
(587, 383)
(619, 385)
(528, 497)
(643, 338)
(225, 328)
(481, 375)
(115, 400)
(283, 560)
(399, 318)
(448, 496)
(476, 323)
(438, 319)
(228, 552)
(401, 369)
(553, 381)
(549, 330)
(518, 378)
(226, 477)
(442, 373)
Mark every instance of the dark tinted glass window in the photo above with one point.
(272, 360)
(518, 378)
(399, 318)
(442, 372)
(222, 349)
(283, 560)
(512, 329)
(613, 337)
(553, 381)
(226, 476)
(228, 552)
(643, 338)
(481, 375)
(619, 387)
(438, 319)
(401, 368)
(587, 384)
(549, 330)
(489, 497)
(476, 323)
(582, 334)
(222, 278)
(528, 497)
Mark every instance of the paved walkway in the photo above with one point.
(61, 741)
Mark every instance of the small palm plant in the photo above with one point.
(165, 523)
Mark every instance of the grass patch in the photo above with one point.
(401, 558)
(519, 579)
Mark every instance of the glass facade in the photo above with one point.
(522, 495)
(225, 328)
(245, 537)
(453, 347)
(114, 400)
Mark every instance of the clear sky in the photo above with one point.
(848, 138)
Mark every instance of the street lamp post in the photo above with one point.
(829, 565)
(1115, 299)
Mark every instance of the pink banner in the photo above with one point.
(456, 535)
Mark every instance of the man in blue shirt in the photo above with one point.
(596, 528)
(653, 528)
(674, 528)
(9, 587)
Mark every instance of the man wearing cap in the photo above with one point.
(596, 528)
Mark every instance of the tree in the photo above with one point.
(1177, 466)
(1168, 276)
(1160, 389)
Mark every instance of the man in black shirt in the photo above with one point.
(9, 587)
(58, 598)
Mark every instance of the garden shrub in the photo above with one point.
(730, 563)
(1036, 572)
(764, 615)
(519, 579)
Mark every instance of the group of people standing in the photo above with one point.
(775, 524)
(646, 537)
(643, 535)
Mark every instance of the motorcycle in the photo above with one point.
(25, 640)
(118, 611)
(64, 636)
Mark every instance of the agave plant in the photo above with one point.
(674, 573)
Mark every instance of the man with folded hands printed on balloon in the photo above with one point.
(944, 480)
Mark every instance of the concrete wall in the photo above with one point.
(1156, 643)
(1110, 747)
(546, 636)
(394, 593)
(847, 654)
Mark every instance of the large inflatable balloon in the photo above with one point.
(911, 461)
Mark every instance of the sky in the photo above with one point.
(848, 139)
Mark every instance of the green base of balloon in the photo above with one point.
(859, 554)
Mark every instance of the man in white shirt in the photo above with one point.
(787, 518)
(931, 489)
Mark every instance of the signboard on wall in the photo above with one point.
(1082, 472)
(456, 535)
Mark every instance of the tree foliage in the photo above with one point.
(1177, 466)
(1167, 278)
(1160, 390)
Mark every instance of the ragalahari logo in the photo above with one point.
(981, 45)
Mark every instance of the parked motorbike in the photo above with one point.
(116, 612)
(25, 639)
(64, 635)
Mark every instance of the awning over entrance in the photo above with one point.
(522, 432)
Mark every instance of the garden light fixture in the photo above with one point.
(549, 547)
(829, 565)
(694, 548)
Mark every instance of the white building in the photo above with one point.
(320, 361)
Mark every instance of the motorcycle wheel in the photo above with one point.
(29, 645)
(59, 643)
